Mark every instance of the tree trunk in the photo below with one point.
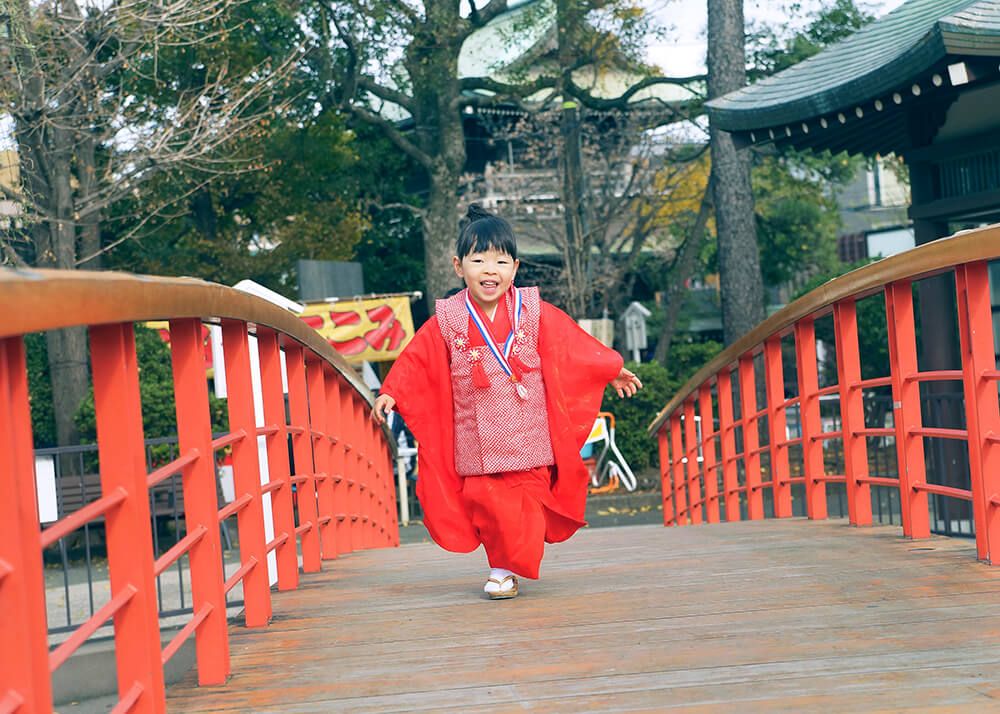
(573, 184)
(440, 233)
(67, 348)
(682, 268)
(739, 259)
(90, 227)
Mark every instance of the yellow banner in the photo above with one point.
(365, 330)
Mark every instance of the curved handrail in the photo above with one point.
(310, 470)
(39, 300)
(697, 429)
(920, 262)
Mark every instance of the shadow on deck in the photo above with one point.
(786, 615)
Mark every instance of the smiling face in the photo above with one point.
(488, 275)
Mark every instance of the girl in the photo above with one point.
(500, 389)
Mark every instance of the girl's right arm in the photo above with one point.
(381, 408)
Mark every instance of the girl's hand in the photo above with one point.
(626, 383)
(380, 410)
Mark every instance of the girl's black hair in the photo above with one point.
(481, 230)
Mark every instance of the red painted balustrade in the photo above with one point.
(704, 475)
(342, 482)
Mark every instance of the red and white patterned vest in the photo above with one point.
(495, 429)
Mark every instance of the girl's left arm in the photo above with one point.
(626, 383)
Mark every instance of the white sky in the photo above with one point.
(682, 51)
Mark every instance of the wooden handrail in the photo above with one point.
(920, 262)
(39, 300)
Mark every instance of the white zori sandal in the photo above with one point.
(505, 589)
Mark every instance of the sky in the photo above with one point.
(682, 51)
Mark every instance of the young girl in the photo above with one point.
(500, 390)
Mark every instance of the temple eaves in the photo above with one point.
(861, 95)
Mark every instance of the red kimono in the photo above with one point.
(514, 515)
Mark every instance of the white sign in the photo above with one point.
(45, 481)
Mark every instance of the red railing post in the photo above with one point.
(199, 481)
(246, 473)
(666, 488)
(677, 450)
(774, 384)
(25, 680)
(341, 495)
(809, 418)
(906, 412)
(708, 466)
(367, 481)
(121, 452)
(982, 413)
(360, 470)
(852, 412)
(302, 453)
(349, 439)
(367, 474)
(391, 497)
(695, 496)
(273, 394)
(751, 438)
(321, 448)
(727, 444)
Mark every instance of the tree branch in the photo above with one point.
(394, 135)
(481, 18)
(521, 89)
(623, 100)
(386, 93)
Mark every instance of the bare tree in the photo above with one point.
(400, 59)
(632, 174)
(740, 281)
(96, 115)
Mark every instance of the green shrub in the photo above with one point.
(633, 416)
(156, 389)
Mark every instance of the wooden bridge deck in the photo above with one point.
(787, 615)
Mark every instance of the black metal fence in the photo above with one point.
(76, 574)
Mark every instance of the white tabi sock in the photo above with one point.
(498, 574)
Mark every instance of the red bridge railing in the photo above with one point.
(697, 431)
(342, 472)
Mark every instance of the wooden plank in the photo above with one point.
(731, 617)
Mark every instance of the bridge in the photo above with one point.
(751, 598)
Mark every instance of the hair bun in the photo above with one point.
(474, 212)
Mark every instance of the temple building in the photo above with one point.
(922, 83)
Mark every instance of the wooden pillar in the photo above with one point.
(708, 466)
(24, 657)
(246, 474)
(906, 406)
(201, 509)
(666, 488)
(302, 453)
(809, 417)
(774, 381)
(751, 439)
(277, 458)
(727, 444)
(695, 496)
(121, 451)
(677, 450)
(975, 320)
(852, 413)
